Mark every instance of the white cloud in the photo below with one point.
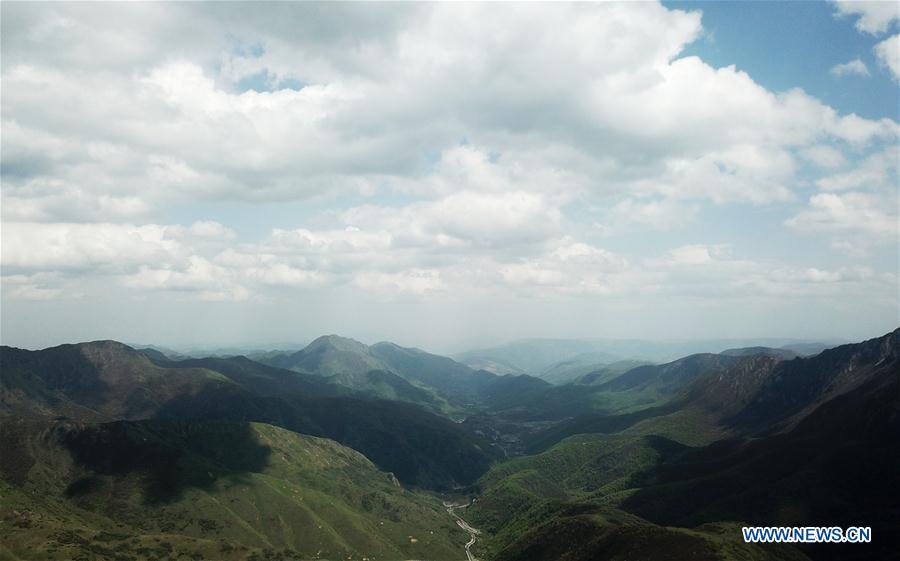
(114, 247)
(888, 54)
(824, 156)
(691, 255)
(852, 212)
(208, 280)
(855, 67)
(659, 214)
(38, 286)
(563, 115)
(859, 131)
(464, 219)
(699, 271)
(873, 17)
(415, 281)
(428, 150)
(281, 274)
(876, 172)
(211, 229)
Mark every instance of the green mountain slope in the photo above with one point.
(389, 371)
(836, 467)
(419, 448)
(106, 381)
(351, 364)
(329, 355)
(198, 490)
(821, 448)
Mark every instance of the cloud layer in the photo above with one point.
(444, 149)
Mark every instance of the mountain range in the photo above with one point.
(344, 450)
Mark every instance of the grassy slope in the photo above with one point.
(220, 491)
(595, 469)
(576, 489)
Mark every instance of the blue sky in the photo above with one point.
(214, 174)
(786, 45)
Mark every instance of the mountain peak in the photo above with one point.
(338, 343)
(108, 345)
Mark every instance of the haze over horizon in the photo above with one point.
(195, 174)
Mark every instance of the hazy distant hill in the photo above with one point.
(784, 354)
(585, 369)
(740, 392)
(667, 378)
(809, 349)
(536, 356)
(432, 380)
(607, 372)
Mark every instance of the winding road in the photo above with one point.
(473, 532)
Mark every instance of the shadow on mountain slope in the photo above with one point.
(169, 456)
(421, 449)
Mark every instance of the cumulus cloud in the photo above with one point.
(888, 54)
(411, 149)
(855, 67)
(691, 255)
(876, 172)
(849, 212)
(208, 280)
(211, 229)
(114, 247)
(824, 156)
(873, 17)
(38, 287)
(563, 113)
(658, 214)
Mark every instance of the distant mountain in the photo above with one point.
(449, 378)
(730, 393)
(576, 368)
(784, 354)
(205, 490)
(353, 365)
(809, 349)
(493, 365)
(670, 377)
(534, 356)
(607, 372)
(568, 371)
(622, 388)
(106, 380)
(329, 355)
(157, 355)
(414, 375)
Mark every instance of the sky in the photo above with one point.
(444, 175)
